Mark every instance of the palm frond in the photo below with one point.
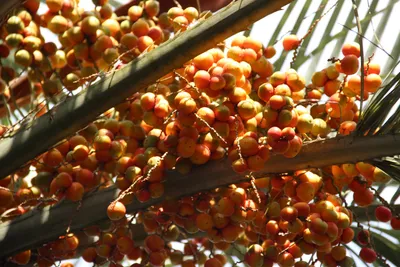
(395, 196)
(381, 188)
(394, 234)
(315, 56)
(378, 110)
(281, 23)
(395, 54)
(355, 254)
(386, 248)
(279, 63)
(390, 165)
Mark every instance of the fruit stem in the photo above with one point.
(360, 40)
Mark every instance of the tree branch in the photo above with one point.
(6, 7)
(76, 112)
(51, 222)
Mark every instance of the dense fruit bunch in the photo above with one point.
(224, 102)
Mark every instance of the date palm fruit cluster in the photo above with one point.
(226, 102)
